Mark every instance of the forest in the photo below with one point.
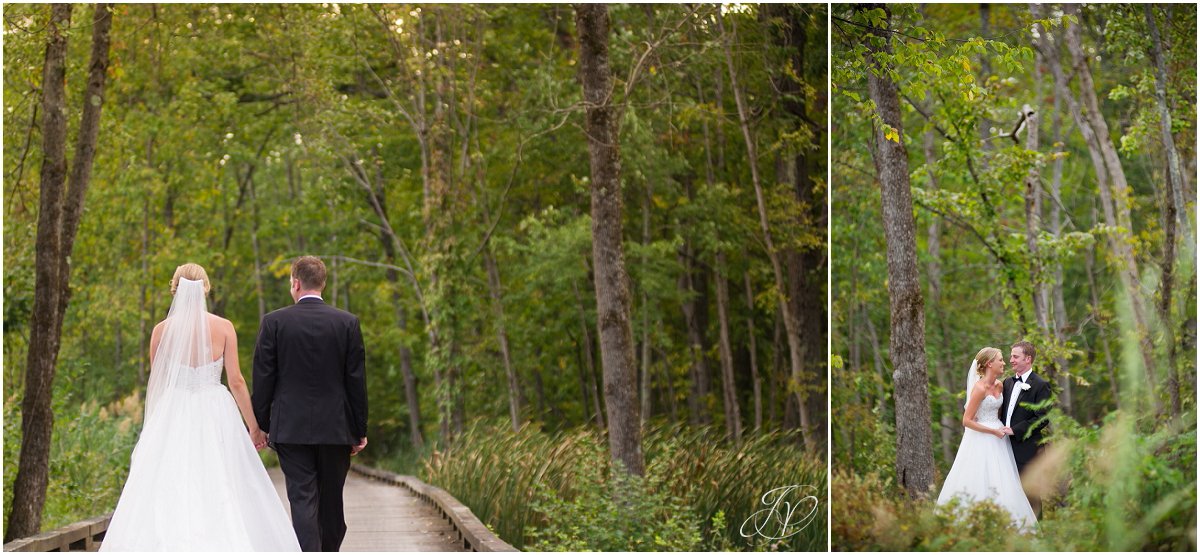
(592, 231)
(1003, 173)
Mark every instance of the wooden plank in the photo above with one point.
(78, 536)
(385, 517)
(474, 534)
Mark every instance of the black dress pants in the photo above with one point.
(315, 476)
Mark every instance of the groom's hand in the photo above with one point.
(358, 448)
(1007, 431)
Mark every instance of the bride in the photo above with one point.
(984, 468)
(195, 481)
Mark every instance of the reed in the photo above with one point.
(545, 489)
(89, 456)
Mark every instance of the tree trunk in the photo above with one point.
(695, 316)
(258, 279)
(1178, 179)
(45, 330)
(85, 145)
(514, 401)
(1060, 306)
(806, 267)
(1164, 305)
(1174, 208)
(1089, 264)
(778, 369)
(933, 242)
(583, 387)
(60, 208)
(1033, 226)
(392, 245)
(914, 444)
(985, 69)
(645, 384)
(1112, 164)
(438, 211)
(412, 397)
(143, 315)
(750, 333)
(880, 368)
(791, 326)
(1109, 173)
(612, 282)
(589, 358)
(733, 413)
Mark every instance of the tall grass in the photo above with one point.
(89, 456)
(553, 491)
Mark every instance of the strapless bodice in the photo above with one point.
(988, 413)
(200, 376)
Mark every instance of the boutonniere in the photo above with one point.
(1024, 386)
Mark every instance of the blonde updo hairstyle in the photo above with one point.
(984, 358)
(190, 271)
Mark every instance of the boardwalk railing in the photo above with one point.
(87, 535)
(470, 530)
(80, 536)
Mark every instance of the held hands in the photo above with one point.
(1008, 431)
(358, 448)
(259, 438)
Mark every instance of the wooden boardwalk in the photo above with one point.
(383, 517)
(384, 512)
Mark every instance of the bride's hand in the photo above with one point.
(999, 433)
(259, 438)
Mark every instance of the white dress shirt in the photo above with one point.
(1016, 392)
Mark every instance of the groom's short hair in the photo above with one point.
(1027, 348)
(310, 271)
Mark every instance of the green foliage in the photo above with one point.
(241, 136)
(695, 496)
(968, 182)
(960, 89)
(92, 443)
(618, 512)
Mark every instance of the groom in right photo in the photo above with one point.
(1022, 393)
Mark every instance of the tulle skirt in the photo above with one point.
(196, 483)
(984, 469)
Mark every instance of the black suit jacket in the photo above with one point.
(1023, 418)
(309, 375)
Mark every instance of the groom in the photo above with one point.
(310, 397)
(1021, 392)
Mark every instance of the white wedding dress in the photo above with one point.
(985, 469)
(195, 480)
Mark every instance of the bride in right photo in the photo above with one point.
(1013, 290)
